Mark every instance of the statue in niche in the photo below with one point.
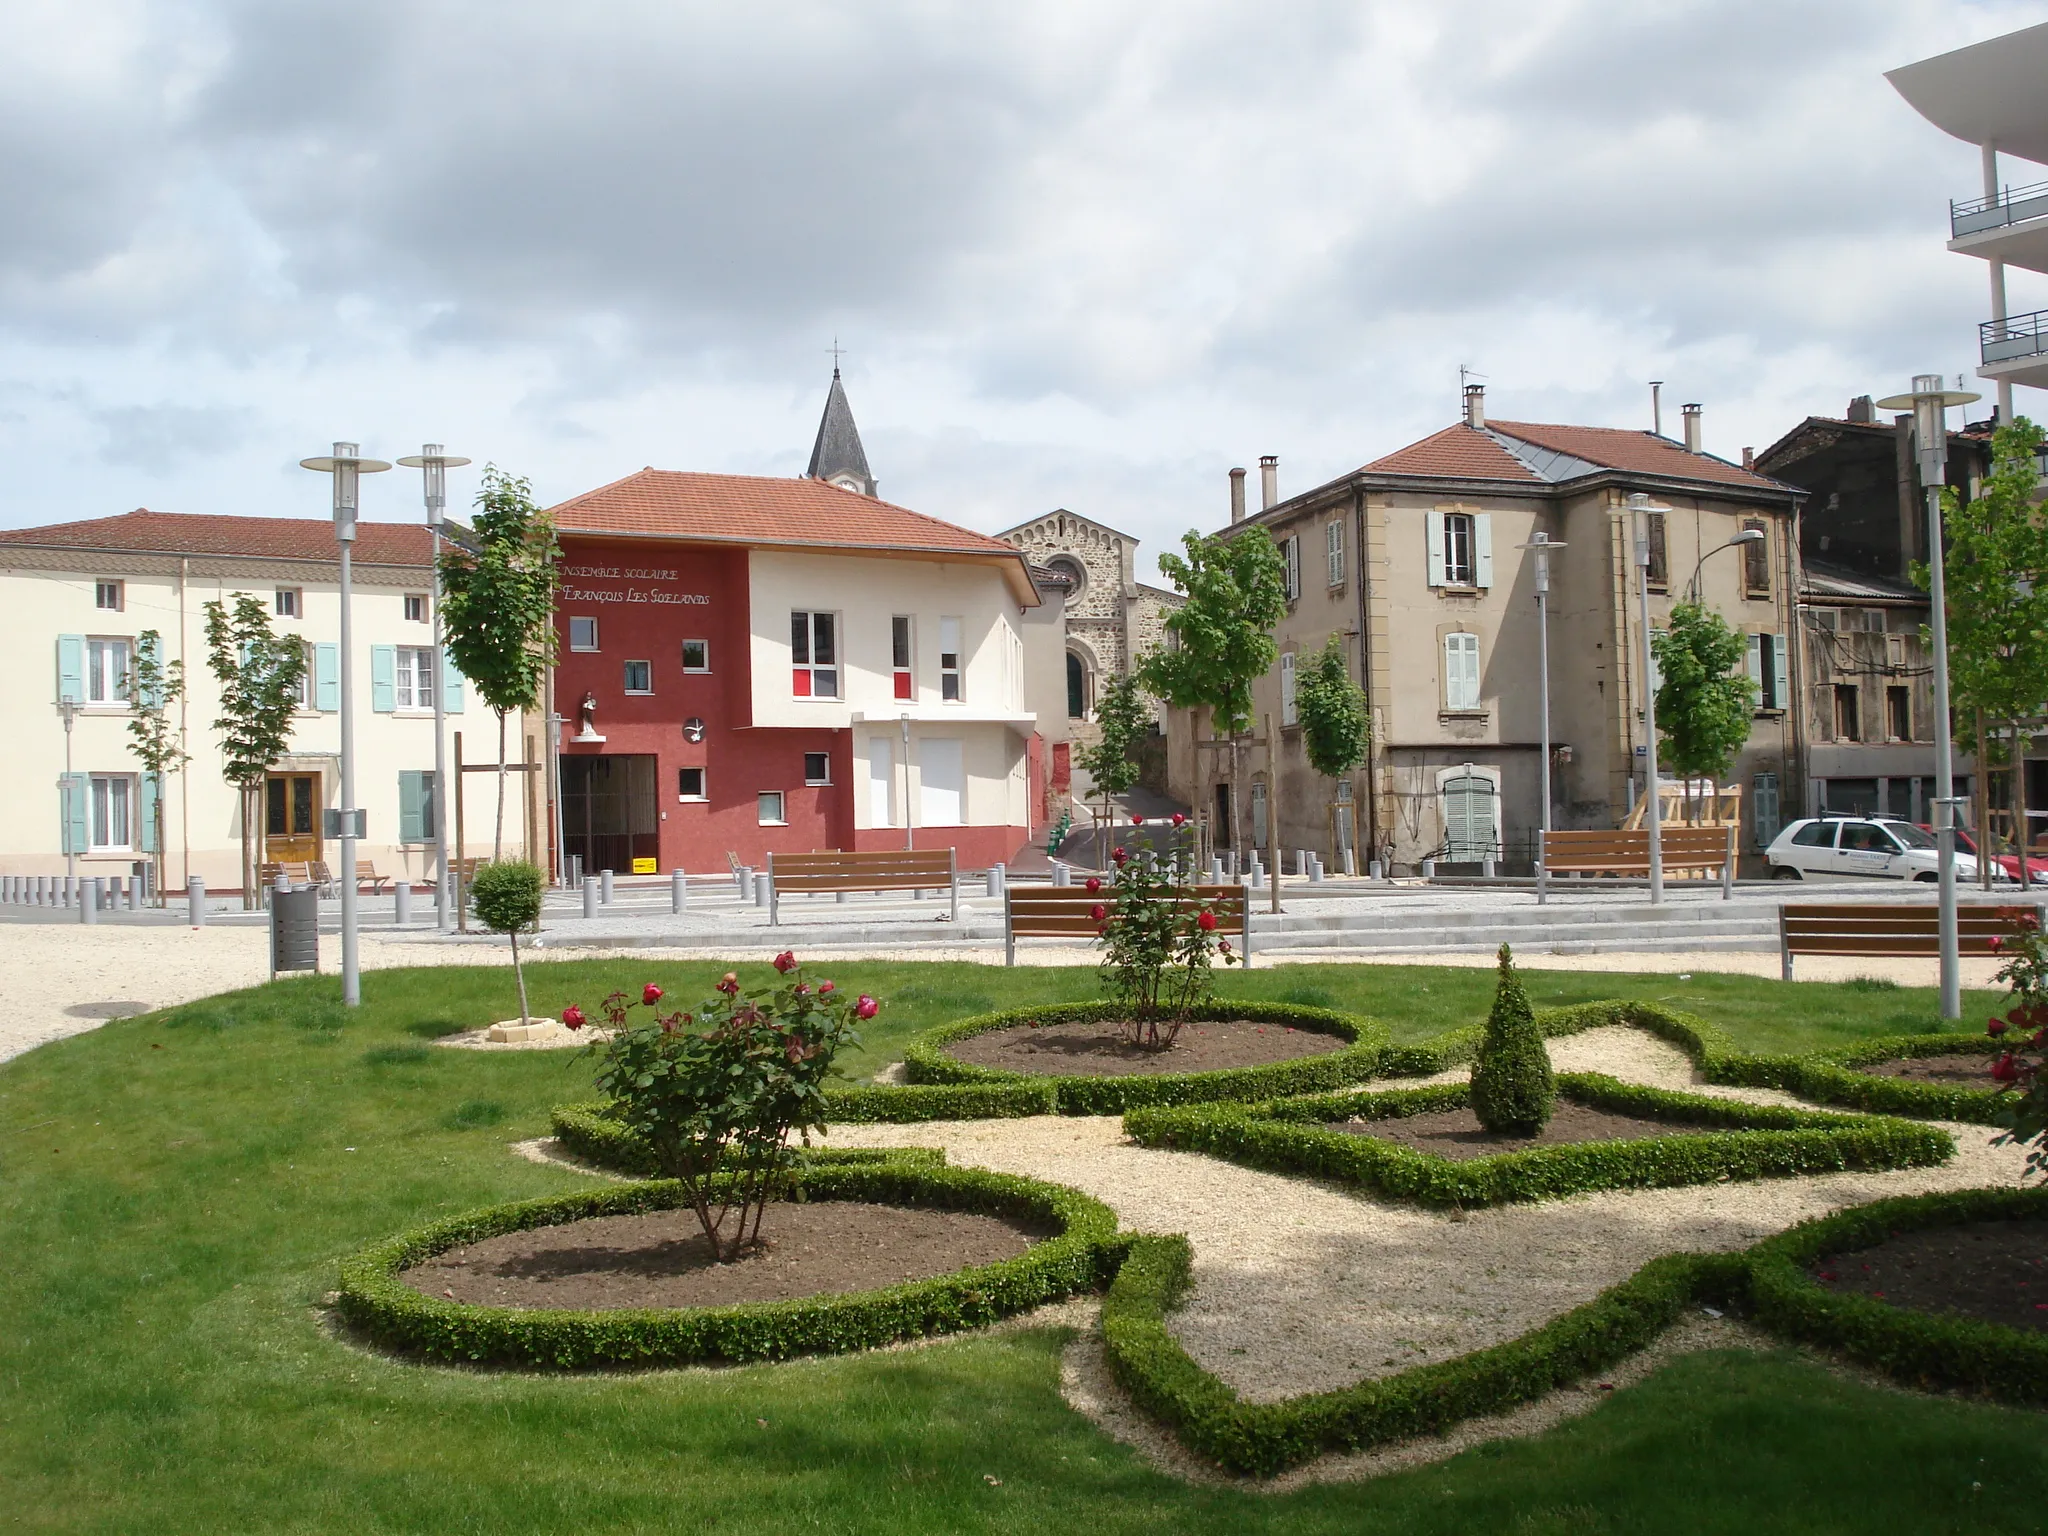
(586, 725)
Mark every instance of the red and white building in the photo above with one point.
(751, 664)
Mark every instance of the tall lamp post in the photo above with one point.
(345, 465)
(434, 466)
(1545, 547)
(1747, 536)
(1640, 507)
(1930, 403)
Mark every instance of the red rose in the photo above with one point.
(573, 1016)
(1224, 945)
(1996, 1027)
(1206, 921)
(1092, 884)
(1119, 854)
(650, 994)
(1995, 943)
(1098, 911)
(2005, 1069)
(866, 1008)
(786, 961)
(803, 989)
(1179, 820)
(1137, 821)
(824, 987)
(729, 984)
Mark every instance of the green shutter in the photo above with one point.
(146, 809)
(384, 679)
(71, 790)
(412, 803)
(1782, 698)
(451, 685)
(71, 669)
(327, 677)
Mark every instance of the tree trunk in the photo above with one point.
(519, 972)
(1983, 800)
(249, 887)
(1240, 812)
(498, 832)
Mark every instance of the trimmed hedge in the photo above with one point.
(1712, 1048)
(1086, 1250)
(1264, 1438)
(880, 1103)
(1758, 1141)
(1923, 1349)
(1830, 1077)
(926, 1061)
(594, 1136)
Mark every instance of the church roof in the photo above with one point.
(838, 451)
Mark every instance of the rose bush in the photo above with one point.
(716, 1092)
(2023, 1028)
(1160, 941)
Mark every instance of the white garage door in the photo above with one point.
(942, 767)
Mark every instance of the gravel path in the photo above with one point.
(1301, 1287)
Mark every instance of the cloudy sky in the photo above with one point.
(1088, 254)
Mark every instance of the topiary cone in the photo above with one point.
(1512, 1089)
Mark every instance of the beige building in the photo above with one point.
(79, 598)
(1414, 561)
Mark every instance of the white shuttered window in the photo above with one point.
(1461, 671)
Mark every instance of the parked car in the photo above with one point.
(1874, 846)
(2004, 864)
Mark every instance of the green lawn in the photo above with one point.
(175, 1192)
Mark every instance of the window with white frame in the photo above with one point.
(1461, 671)
(414, 676)
(107, 669)
(690, 784)
(1459, 548)
(817, 768)
(1288, 715)
(416, 607)
(903, 683)
(696, 655)
(639, 677)
(1333, 549)
(290, 603)
(583, 634)
(814, 655)
(309, 680)
(113, 802)
(1290, 565)
(107, 595)
(768, 804)
(1460, 569)
(950, 688)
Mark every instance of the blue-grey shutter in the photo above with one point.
(71, 669)
(1756, 669)
(1482, 548)
(451, 685)
(327, 677)
(1433, 531)
(146, 840)
(412, 800)
(1782, 698)
(384, 679)
(71, 791)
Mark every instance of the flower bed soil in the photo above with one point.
(1457, 1134)
(1095, 1048)
(660, 1259)
(1956, 1070)
(1994, 1271)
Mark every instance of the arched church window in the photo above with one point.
(1077, 688)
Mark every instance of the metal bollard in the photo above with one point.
(1486, 869)
(401, 904)
(996, 881)
(1351, 861)
(1215, 870)
(195, 900)
(678, 891)
(604, 894)
(134, 893)
(575, 871)
(745, 881)
(762, 881)
(1375, 870)
(589, 898)
(1429, 869)
(89, 893)
(1315, 870)
(1061, 874)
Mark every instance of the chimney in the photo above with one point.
(1475, 405)
(1237, 495)
(1269, 480)
(1860, 409)
(1749, 458)
(1692, 428)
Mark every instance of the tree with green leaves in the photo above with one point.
(1336, 730)
(155, 686)
(1121, 715)
(497, 606)
(262, 675)
(1996, 575)
(1220, 640)
(1513, 1088)
(508, 899)
(1706, 704)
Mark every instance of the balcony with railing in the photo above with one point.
(2012, 205)
(2016, 348)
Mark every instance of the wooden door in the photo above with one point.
(291, 817)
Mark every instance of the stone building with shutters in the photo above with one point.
(1414, 563)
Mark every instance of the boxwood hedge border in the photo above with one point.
(1831, 1077)
(926, 1061)
(1921, 1349)
(1086, 1249)
(1753, 1141)
(594, 1136)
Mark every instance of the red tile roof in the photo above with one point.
(1457, 453)
(758, 509)
(1642, 453)
(194, 533)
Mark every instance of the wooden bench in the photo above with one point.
(366, 872)
(899, 870)
(1067, 912)
(1628, 853)
(1872, 928)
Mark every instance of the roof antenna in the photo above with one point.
(1465, 377)
(1657, 406)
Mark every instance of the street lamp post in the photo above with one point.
(434, 466)
(1640, 507)
(345, 465)
(1930, 403)
(1545, 547)
(1747, 536)
(69, 709)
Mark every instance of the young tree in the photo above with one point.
(508, 898)
(1705, 706)
(497, 606)
(1336, 730)
(1996, 575)
(1221, 639)
(1121, 715)
(154, 687)
(1513, 1088)
(260, 674)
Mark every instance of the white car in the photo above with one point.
(1878, 846)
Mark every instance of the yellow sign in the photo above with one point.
(644, 866)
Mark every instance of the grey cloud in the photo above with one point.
(163, 437)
